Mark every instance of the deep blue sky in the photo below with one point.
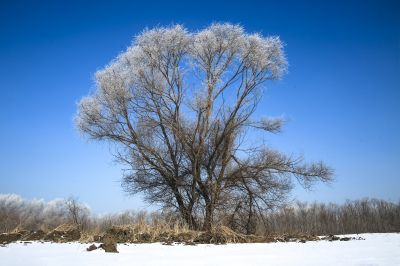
(341, 95)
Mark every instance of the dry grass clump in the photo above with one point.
(221, 235)
(144, 233)
(164, 233)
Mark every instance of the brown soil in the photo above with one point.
(34, 235)
(121, 234)
(109, 245)
(21, 234)
(7, 238)
(64, 233)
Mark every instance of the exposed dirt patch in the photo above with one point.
(23, 235)
(120, 234)
(7, 238)
(64, 233)
(34, 235)
(109, 244)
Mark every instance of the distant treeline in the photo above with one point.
(359, 216)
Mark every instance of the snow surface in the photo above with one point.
(376, 249)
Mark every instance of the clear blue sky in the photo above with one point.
(341, 95)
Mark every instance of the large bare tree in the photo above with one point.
(180, 105)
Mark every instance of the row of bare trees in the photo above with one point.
(39, 214)
(360, 216)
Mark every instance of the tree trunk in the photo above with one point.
(190, 220)
(186, 213)
(208, 219)
(250, 225)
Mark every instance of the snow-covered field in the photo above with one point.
(376, 249)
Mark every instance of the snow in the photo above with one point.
(376, 249)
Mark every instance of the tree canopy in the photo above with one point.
(179, 105)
